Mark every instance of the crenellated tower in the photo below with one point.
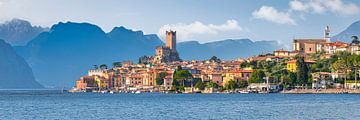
(171, 40)
(167, 53)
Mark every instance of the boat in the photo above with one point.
(138, 92)
(244, 92)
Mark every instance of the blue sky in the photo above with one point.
(201, 20)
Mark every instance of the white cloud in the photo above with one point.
(271, 14)
(196, 29)
(322, 6)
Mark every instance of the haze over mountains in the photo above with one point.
(15, 73)
(60, 55)
(19, 32)
(68, 50)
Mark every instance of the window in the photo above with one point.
(309, 49)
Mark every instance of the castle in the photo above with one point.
(167, 53)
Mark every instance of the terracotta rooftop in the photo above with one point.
(309, 40)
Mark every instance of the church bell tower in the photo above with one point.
(327, 34)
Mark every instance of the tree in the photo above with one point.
(230, 85)
(199, 84)
(103, 66)
(355, 40)
(215, 59)
(289, 79)
(257, 76)
(243, 84)
(160, 78)
(245, 64)
(180, 77)
(211, 85)
(302, 71)
(345, 64)
(96, 67)
(117, 64)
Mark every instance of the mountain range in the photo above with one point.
(66, 51)
(228, 49)
(15, 73)
(61, 55)
(345, 36)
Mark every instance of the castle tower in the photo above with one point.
(327, 34)
(171, 40)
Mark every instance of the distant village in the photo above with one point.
(315, 65)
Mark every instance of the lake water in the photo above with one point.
(55, 105)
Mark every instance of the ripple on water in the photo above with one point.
(178, 106)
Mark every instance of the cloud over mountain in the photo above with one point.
(195, 29)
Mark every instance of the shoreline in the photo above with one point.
(322, 91)
(295, 91)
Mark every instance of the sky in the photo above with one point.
(201, 20)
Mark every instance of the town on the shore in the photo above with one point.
(315, 65)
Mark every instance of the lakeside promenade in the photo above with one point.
(293, 91)
(322, 91)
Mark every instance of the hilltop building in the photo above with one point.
(167, 53)
(281, 53)
(310, 46)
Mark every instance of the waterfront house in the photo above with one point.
(86, 83)
(322, 80)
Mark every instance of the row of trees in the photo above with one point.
(104, 66)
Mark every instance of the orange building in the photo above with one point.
(86, 82)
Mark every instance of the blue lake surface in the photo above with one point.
(28, 105)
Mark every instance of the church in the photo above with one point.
(310, 46)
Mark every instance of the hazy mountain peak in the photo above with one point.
(116, 31)
(74, 26)
(19, 32)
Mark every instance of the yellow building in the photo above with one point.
(291, 66)
(102, 83)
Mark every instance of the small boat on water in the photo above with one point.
(111, 92)
(138, 92)
(243, 92)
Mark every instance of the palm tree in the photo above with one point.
(103, 66)
(342, 66)
(96, 67)
(355, 40)
(117, 64)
